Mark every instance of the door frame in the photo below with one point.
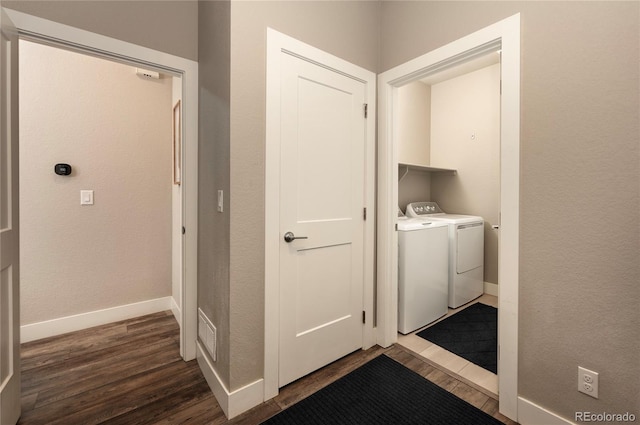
(10, 379)
(85, 42)
(278, 43)
(504, 35)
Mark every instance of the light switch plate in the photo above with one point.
(86, 197)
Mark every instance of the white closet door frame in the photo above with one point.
(503, 35)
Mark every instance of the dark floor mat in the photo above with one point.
(471, 334)
(382, 392)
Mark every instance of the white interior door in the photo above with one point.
(9, 280)
(322, 188)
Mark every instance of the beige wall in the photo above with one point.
(579, 291)
(465, 136)
(414, 146)
(414, 123)
(114, 129)
(169, 26)
(413, 187)
(346, 29)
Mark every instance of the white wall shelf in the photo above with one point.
(415, 167)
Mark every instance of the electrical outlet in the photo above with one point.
(588, 382)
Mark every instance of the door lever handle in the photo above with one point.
(290, 237)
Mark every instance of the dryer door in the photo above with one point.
(470, 247)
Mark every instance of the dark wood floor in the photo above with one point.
(131, 373)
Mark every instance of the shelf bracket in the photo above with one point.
(406, 171)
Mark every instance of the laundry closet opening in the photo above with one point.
(447, 135)
(103, 242)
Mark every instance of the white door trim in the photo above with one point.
(99, 45)
(505, 35)
(10, 373)
(276, 44)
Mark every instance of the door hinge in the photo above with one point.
(364, 316)
(366, 110)
(184, 230)
(396, 227)
(364, 213)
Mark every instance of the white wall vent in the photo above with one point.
(207, 334)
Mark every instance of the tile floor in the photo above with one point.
(476, 376)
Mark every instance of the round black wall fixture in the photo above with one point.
(62, 169)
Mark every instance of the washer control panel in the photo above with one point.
(419, 209)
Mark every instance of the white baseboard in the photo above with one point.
(530, 413)
(235, 402)
(177, 313)
(78, 322)
(491, 288)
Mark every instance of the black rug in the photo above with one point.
(471, 333)
(382, 392)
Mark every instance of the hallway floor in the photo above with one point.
(130, 372)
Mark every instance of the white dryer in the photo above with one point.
(466, 250)
(422, 272)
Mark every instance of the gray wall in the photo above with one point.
(346, 29)
(169, 26)
(579, 277)
(213, 168)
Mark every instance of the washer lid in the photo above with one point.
(431, 211)
(455, 218)
(409, 224)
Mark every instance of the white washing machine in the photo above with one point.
(466, 250)
(422, 272)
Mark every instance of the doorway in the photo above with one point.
(504, 36)
(87, 262)
(48, 32)
(449, 131)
